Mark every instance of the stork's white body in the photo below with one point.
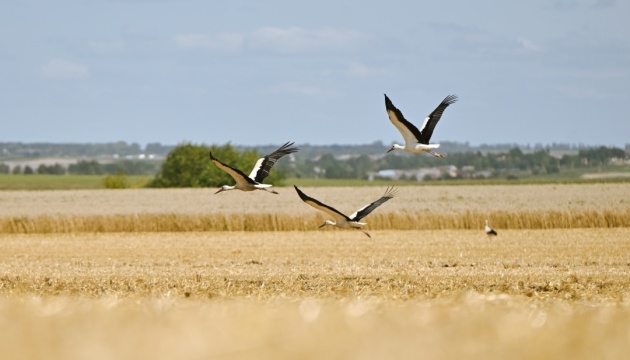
(247, 187)
(417, 140)
(417, 148)
(489, 231)
(344, 224)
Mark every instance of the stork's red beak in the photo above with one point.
(218, 191)
(322, 225)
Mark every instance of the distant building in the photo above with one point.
(420, 174)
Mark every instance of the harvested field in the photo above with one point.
(465, 326)
(415, 208)
(583, 264)
(169, 274)
(284, 295)
(438, 199)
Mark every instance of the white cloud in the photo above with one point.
(292, 40)
(357, 69)
(298, 40)
(60, 68)
(528, 45)
(222, 42)
(295, 88)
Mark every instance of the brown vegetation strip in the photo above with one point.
(283, 222)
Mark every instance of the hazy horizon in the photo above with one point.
(445, 142)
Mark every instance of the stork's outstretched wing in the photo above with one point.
(367, 209)
(236, 174)
(426, 131)
(331, 211)
(264, 164)
(409, 131)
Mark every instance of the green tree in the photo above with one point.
(84, 167)
(189, 165)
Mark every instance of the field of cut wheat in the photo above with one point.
(330, 264)
(163, 274)
(415, 208)
(438, 199)
(448, 294)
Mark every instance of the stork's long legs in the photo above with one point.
(436, 154)
(365, 232)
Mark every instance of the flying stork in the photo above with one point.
(341, 220)
(417, 141)
(259, 172)
(490, 231)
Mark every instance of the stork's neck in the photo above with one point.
(225, 188)
(328, 222)
(396, 147)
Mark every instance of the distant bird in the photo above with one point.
(341, 220)
(490, 231)
(417, 141)
(259, 172)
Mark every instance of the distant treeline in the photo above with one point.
(87, 167)
(122, 148)
(494, 164)
(335, 162)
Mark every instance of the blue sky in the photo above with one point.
(265, 72)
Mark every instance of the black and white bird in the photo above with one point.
(341, 220)
(490, 231)
(417, 141)
(259, 172)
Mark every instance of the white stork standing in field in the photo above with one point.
(490, 231)
(341, 220)
(417, 141)
(258, 174)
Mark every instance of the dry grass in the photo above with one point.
(416, 208)
(567, 219)
(543, 294)
(126, 274)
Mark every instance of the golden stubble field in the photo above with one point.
(443, 292)
(415, 208)
(429, 199)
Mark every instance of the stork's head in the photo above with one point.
(327, 222)
(224, 188)
(395, 147)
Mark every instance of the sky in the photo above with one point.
(255, 72)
